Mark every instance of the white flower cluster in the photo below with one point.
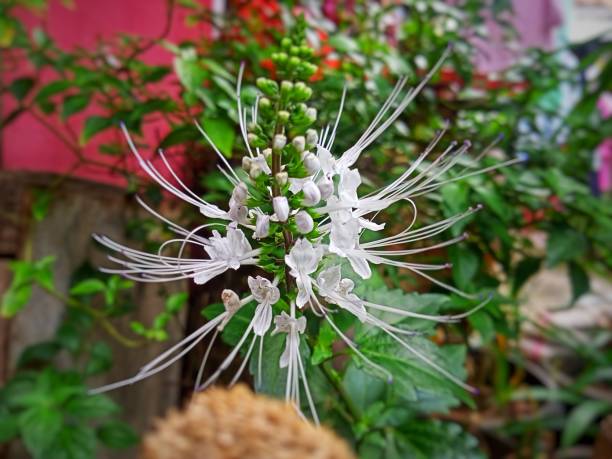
(321, 216)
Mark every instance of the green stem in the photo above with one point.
(354, 412)
(96, 314)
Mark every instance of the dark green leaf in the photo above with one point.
(564, 244)
(579, 280)
(75, 104)
(181, 135)
(117, 435)
(88, 287)
(91, 406)
(94, 125)
(581, 418)
(21, 87)
(39, 426)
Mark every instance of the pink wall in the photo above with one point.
(26, 143)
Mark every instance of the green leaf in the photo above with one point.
(39, 426)
(222, 134)
(117, 435)
(564, 244)
(40, 207)
(100, 359)
(50, 90)
(323, 348)
(73, 442)
(526, 268)
(579, 280)
(176, 302)
(483, 323)
(180, 135)
(88, 287)
(91, 406)
(9, 428)
(39, 353)
(94, 125)
(21, 87)
(75, 104)
(465, 265)
(581, 418)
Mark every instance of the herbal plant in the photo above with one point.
(295, 213)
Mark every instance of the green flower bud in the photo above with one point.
(286, 43)
(283, 116)
(294, 50)
(294, 62)
(301, 92)
(267, 86)
(281, 58)
(286, 87)
(306, 51)
(264, 103)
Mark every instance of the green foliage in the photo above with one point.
(52, 412)
(25, 275)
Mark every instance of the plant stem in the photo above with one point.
(98, 315)
(355, 413)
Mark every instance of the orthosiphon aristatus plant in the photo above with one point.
(295, 212)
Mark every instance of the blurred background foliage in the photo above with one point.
(538, 215)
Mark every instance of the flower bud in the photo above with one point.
(264, 103)
(231, 300)
(246, 163)
(262, 226)
(311, 163)
(294, 62)
(312, 195)
(283, 116)
(299, 143)
(304, 222)
(282, 178)
(281, 208)
(311, 137)
(267, 86)
(278, 142)
(301, 92)
(240, 193)
(255, 171)
(311, 114)
(266, 152)
(238, 213)
(286, 87)
(286, 43)
(326, 187)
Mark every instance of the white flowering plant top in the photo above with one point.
(297, 214)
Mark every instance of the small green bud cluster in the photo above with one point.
(285, 145)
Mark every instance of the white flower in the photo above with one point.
(281, 208)
(262, 226)
(312, 195)
(266, 294)
(326, 187)
(260, 162)
(291, 359)
(303, 259)
(311, 163)
(338, 291)
(304, 222)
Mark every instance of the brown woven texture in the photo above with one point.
(237, 424)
